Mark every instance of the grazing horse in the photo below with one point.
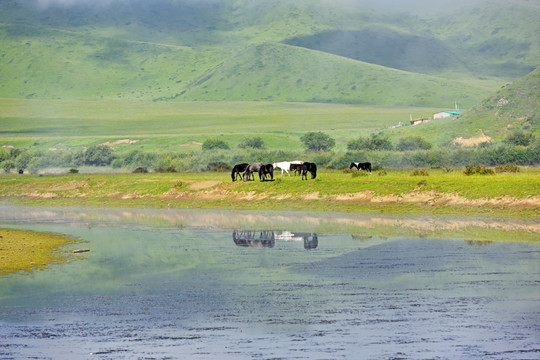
(283, 165)
(297, 168)
(267, 169)
(252, 168)
(237, 170)
(287, 165)
(309, 167)
(361, 166)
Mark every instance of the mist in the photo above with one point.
(386, 5)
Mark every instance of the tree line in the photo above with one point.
(518, 148)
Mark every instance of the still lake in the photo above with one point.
(220, 284)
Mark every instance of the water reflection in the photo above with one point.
(360, 225)
(254, 239)
(267, 238)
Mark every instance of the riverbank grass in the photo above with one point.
(402, 191)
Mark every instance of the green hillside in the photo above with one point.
(386, 47)
(277, 72)
(516, 106)
(259, 50)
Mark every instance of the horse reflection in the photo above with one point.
(267, 238)
(311, 240)
(254, 239)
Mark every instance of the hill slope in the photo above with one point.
(221, 50)
(514, 107)
(277, 72)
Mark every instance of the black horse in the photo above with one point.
(267, 169)
(237, 170)
(253, 168)
(297, 168)
(309, 167)
(361, 166)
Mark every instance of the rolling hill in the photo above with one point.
(516, 106)
(299, 51)
(278, 72)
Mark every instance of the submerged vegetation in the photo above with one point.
(30, 250)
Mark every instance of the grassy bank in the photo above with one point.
(505, 194)
(28, 250)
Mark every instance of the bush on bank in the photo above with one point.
(201, 160)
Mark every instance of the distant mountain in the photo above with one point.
(344, 51)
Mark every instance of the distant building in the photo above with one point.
(441, 115)
(420, 121)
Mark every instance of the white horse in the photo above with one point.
(286, 165)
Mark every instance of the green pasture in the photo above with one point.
(175, 126)
(215, 189)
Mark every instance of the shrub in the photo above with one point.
(117, 163)
(253, 142)
(375, 142)
(317, 141)
(413, 143)
(98, 155)
(507, 168)
(215, 143)
(478, 170)
(382, 172)
(169, 169)
(140, 170)
(218, 166)
(7, 165)
(73, 171)
(519, 138)
(419, 172)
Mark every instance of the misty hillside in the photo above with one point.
(345, 51)
(516, 106)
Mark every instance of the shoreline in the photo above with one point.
(515, 195)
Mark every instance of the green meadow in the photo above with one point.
(179, 126)
(401, 191)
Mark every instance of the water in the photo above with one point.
(168, 284)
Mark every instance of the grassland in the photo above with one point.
(63, 125)
(516, 194)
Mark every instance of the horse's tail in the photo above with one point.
(314, 172)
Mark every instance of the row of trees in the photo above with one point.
(519, 149)
(319, 141)
(202, 160)
(97, 155)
